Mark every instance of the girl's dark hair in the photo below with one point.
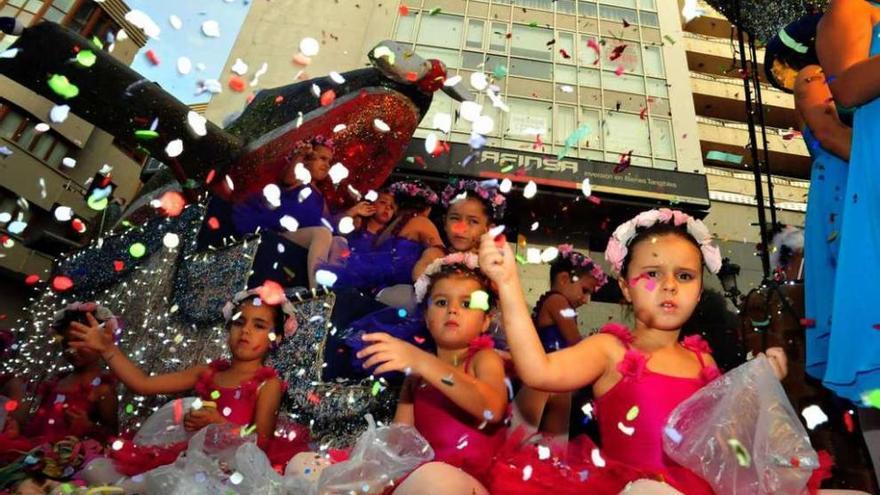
(656, 230)
(563, 264)
(70, 316)
(463, 271)
(277, 314)
(803, 32)
(713, 319)
(408, 207)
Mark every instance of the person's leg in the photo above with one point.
(528, 409)
(338, 248)
(556, 416)
(317, 240)
(437, 478)
(649, 487)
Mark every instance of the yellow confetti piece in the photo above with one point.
(633, 413)
(215, 394)
(742, 455)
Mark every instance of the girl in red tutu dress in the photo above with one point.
(638, 376)
(243, 391)
(456, 397)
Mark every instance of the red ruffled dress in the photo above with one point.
(237, 405)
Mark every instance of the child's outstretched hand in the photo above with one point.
(778, 360)
(497, 260)
(390, 354)
(197, 419)
(92, 336)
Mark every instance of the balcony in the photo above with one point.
(788, 154)
(724, 98)
(716, 55)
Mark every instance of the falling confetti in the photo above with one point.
(197, 123)
(623, 162)
(309, 47)
(626, 430)
(175, 21)
(86, 58)
(62, 87)
(691, 10)
(174, 148)
(479, 300)
(137, 250)
(814, 416)
(152, 57)
(171, 240)
(543, 452)
(571, 141)
(325, 278)
(346, 225)
(141, 20)
(61, 283)
(742, 455)
(633, 413)
(338, 173)
(211, 29)
(236, 84)
(530, 190)
(380, 125)
(527, 473)
(327, 97)
(673, 434)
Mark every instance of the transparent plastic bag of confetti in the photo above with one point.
(741, 434)
(380, 456)
(165, 426)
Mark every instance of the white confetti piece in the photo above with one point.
(443, 122)
(483, 125)
(673, 434)
(337, 77)
(339, 128)
(117, 445)
(325, 278)
(10, 53)
(42, 127)
(543, 452)
(338, 173)
(527, 473)
(16, 227)
(175, 21)
(479, 81)
(431, 142)
(568, 313)
(184, 65)
(814, 416)
(141, 20)
(211, 29)
(227, 411)
(462, 442)
(239, 67)
(272, 193)
(346, 225)
(586, 188)
(229, 183)
(236, 478)
(309, 47)
(197, 123)
(260, 72)
(496, 231)
(304, 194)
(42, 183)
(171, 240)
(691, 10)
(470, 110)
(301, 173)
(597, 459)
(289, 223)
(380, 125)
(63, 213)
(452, 81)
(5, 217)
(566, 89)
(316, 90)
(549, 254)
(506, 185)
(59, 113)
(533, 255)
(371, 196)
(530, 190)
(68, 162)
(174, 148)
(626, 430)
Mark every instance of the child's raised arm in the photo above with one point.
(100, 340)
(555, 305)
(561, 371)
(266, 413)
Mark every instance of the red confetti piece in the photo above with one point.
(595, 46)
(250, 97)
(643, 114)
(105, 181)
(848, 422)
(420, 161)
(619, 70)
(61, 283)
(328, 97)
(178, 411)
(11, 405)
(412, 76)
(301, 60)
(313, 398)
(538, 142)
(564, 53)
(152, 57)
(118, 266)
(213, 223)
(808, 322)
(795, 462)
(617, 52)
(78, 225)
(593, 199)
(419, 339)
(210, 176)
(271, 293)
(32, 279)
(624, 162)
(791, 135)
(403, 10)
(279, 99)
(172, 203)
(236, 83)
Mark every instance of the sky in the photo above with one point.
(189, 41)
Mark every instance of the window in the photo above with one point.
(475, 34)
(565, 124)
(18, 126)
(621, 3)
(588, 9)
(589, 77)
(445, 55)
(498, 37)
(618, 14)
(624, 82)
(535, 4)
(440, 30)
(657, 87)
(528, 116)
(565, 41)
(653, 59)
(566, 74)
(565, 7)
(648, 4)
(662, 139)
(531, 42)
(405, 25)
(649, 19)
(591, 117)
(587, 55)
(625, 132)
(439, 105)
(531, 68)
(623, 53)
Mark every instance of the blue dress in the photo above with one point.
(854, 346)
(255, 211)
(821, 246)
(550, 335)
(387, 264)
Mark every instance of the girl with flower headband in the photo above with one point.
(639, 376)
(242, 391)
(297, 208)
(574, 277)
(80, 403)
(390, 259)
(455, 396)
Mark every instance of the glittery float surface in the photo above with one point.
(764, 18)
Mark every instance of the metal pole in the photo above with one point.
(753, 140)
(757, 81)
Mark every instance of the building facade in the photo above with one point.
(47, 164)
(640, 85)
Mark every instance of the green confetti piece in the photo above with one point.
(129, 408)
(215, 394)
(506, 169)
(97, 42)
(376, 388)
(742, 455)
(572, 140)
(190, 184)
(66, 488)
(533, 24)
(97, 204)
(146, 134)
(410, 159)
(832, 236)
(137, 250)
(633, 413)
(872, 398)
(521, 260)
(247, 430)
(62, 87)
(724, 157)
(668, 38)
(435, 11)
(479, 300)
(86, 58)
(500, 71)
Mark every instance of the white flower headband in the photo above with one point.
(624, 234)
(290, 323)
(470, 260)
(100, 313)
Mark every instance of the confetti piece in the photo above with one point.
(174, 148)
(832, 236)
(117, 445)
(346, 225)
(549, 254)
(673, 434)
(505, 186)
(338, 172)
(448, 380)
(61, 283)
(619, 70)
(376, 388)
(807, 322)
(691, 10)
(872, 398)
(633, 413)
(496, 231)
(543, 452)
(211, 29)
(197, 123)
(483, 125)
(63, 213)
(78, 225)
(325, 278)
(814, 416)
(11, 405)
(337, 77)
(309, 47)
(623, 162)
(597, 459)
(62, 87)
(141, 20)
(848, 421)
(152, 57)
(175, 21)
(59, 113)
(327, 97)
(171, 240)
(580, 133)
(380, 125)
(530, 190)
(479, 81)
(272, 195)
(591, 43)
(435, 11)
(137, 250)
(86, 58)
(236, 478)
(527, 473)
(626, 430)
(670, 39)
(239, 67)
(742, 455)
(479, 300)
(260, 72)
(500, 71)
(586, 188)
(170, 204)
(403, 10)
(236, 83)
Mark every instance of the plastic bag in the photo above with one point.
(380, 456)
(741, 434)
(165, 426)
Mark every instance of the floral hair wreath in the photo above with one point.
(469, 260)
(290, 323)
(487, 190)
(414, 188)
(319, 140)
(584, 262)
(100, 313)
(616, 251)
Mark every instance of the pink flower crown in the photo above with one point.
(414, 189)
(319, 140)
(616, 250)
(584, 262)
(470, 260)
(100, 313)
(486, 190)
(275, 298)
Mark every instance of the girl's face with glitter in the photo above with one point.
(251, 331)
(578, 289)
(663, 281)
(465, 222)
(449, 317)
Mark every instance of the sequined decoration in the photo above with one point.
(763, 19)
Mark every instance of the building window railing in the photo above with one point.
(732, 81)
